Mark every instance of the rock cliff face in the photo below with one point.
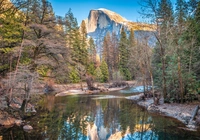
(101, 21)
(104, 20)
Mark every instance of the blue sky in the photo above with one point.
(80, 8)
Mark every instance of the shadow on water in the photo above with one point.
(82, 117)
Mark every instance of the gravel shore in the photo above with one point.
(182, 112)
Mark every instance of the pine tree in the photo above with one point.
(91, 68)
(98, 75)
(187, 56)
(123, 55)
(181, 13)
(196, 33)
(75, 43)
(165, 21)
(132, 53)
(106, 48)
(83, 48)
(92, 51)
(74, 76)
(91, 57)
(181, 17)
(114, 43)
(11, 31)
(104, 71)
(73, 36)
(165, 12)
(108, 53)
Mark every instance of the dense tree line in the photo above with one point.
(175, 60)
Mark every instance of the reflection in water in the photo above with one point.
(83, 118)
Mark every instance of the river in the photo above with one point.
(97, 117)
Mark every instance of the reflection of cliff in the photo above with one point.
(102, 131)
(104, 119)
(147, 135)
(141, 131)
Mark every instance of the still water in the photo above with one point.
(97, 117)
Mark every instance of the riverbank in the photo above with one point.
(79, 91)
(181, 112)
(73, 89)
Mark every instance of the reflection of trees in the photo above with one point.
(110, 114)
(134, 119)
(76, 116)
(75, 123)
(129, 116)
(46, 124)
(16, 133)
(70, 118)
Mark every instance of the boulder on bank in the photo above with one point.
(153, 108)
(18, 122)
(27, 127)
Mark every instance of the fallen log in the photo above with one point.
(194, 113)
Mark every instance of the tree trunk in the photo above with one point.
(23, 106)
(89, 81)
(162, 55)
(180, 79)
(152, 84)
(164, 77)
(144, 84)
